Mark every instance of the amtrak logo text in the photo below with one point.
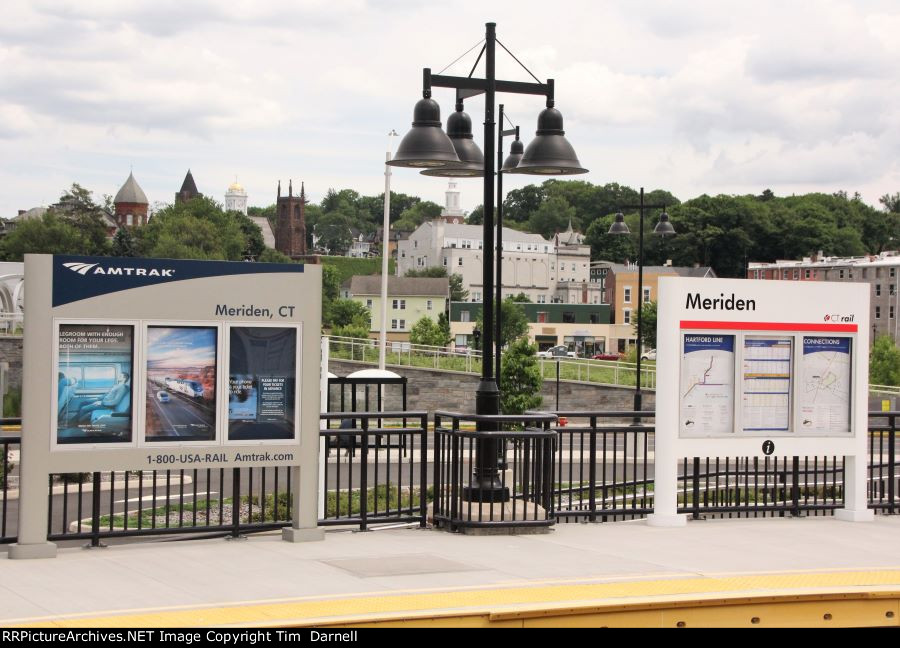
(97, 269)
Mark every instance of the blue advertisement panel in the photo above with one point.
(181, 383)
(94, 386)
(262, 383)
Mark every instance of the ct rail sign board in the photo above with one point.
(761, 368)
(157, 364)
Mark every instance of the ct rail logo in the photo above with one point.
(839, 318)
(80, 268)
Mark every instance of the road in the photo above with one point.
(181, 416)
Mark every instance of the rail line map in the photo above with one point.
(707, 385)
(825, 396)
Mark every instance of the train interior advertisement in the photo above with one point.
(262, 382)
(181, 383)
(94, 383)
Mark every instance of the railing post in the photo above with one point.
(696, 489)
(892, 464)
(592, 470)
(795, 487)
(236, 503)
(95, 512)
(364, 477)
(423, 474)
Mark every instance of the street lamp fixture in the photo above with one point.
(427, 147)
(663, 228)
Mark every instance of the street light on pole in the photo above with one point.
(663, 228)
(427, 147)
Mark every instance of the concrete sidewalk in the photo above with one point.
(354, 575)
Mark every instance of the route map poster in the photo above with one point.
(707, 385)
(94, 370)
(262, 383)
(825, 390)
(181, 383)
(766, 383)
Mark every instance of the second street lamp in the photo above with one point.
(663, 228)
(553, 155)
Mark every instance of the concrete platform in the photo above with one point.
(433, 578)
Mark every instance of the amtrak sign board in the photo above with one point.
(753, 368)
(156, 364)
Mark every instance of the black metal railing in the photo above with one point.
(604, 469)
(10, 443)
(884, 482)
(382, 476)
(231, 502)
(527, 445)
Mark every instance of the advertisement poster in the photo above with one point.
(707, 385)
(181, 383)
(94, 370)
(262, 383)
(766, 391)
(825, 390)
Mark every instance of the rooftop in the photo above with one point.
(887, 258)
(131, 192)
(399, 286)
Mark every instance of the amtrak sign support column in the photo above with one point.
(757, 368)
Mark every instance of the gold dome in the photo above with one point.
(234, 186)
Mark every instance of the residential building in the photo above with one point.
(620, 283)
(585, 329)
(881, 272)
(555, 271)
(409, 299)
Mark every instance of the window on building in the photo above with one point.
(459, 262)
(841, 274)
(568, 317)
(878, 290)
(627, 296)
(369, 304)
(445, 262)
(796, 274)
(891, 314)
(467, 245)
(480, 244)
(399, 304)
(542, 317)
(878, 312)
(541, 299)
(476, 296)
(891, 289)
(850, 274)
(594, 318)
(429, 305)
(627, 315)
(784, 274)
(394, 324)
(415, 244)
(646, 295)
(464, 316)
(893, 272)
(806, 274)
(452, 244)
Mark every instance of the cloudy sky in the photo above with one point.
(695, 96)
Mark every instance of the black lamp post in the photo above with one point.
(663, 228)
(427, 147)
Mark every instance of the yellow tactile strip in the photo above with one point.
(494, 601)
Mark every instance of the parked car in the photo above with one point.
(649, 355)
(559, 351)
(606, 356)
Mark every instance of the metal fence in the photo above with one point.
(382, 476)
(385, 467)
(526, 447)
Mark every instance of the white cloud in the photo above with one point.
(698, 97)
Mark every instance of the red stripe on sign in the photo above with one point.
(769, 326)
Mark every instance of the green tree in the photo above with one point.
(268, 255)
(521, 298)
(433, 271)
(457, 292)
(513, 325)
(333, 230)
(884, 362)
(48, 235)
(349, 312)
(198, 229)
(253, 235)
(124, 243)
(553, 215)
(648, 325)
(417, 214)
(428, 332)
(520, 378)
(891, 202)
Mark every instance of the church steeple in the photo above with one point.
(188, 190)
(290, 222)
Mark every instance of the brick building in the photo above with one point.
(290, 222)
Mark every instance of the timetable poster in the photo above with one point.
(825, 387)
(707, 385)
(94, 383)
(262, 383)
(766, 384)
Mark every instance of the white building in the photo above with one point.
(555, 271)
(236, 198)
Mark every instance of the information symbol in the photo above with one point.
(768, 447)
